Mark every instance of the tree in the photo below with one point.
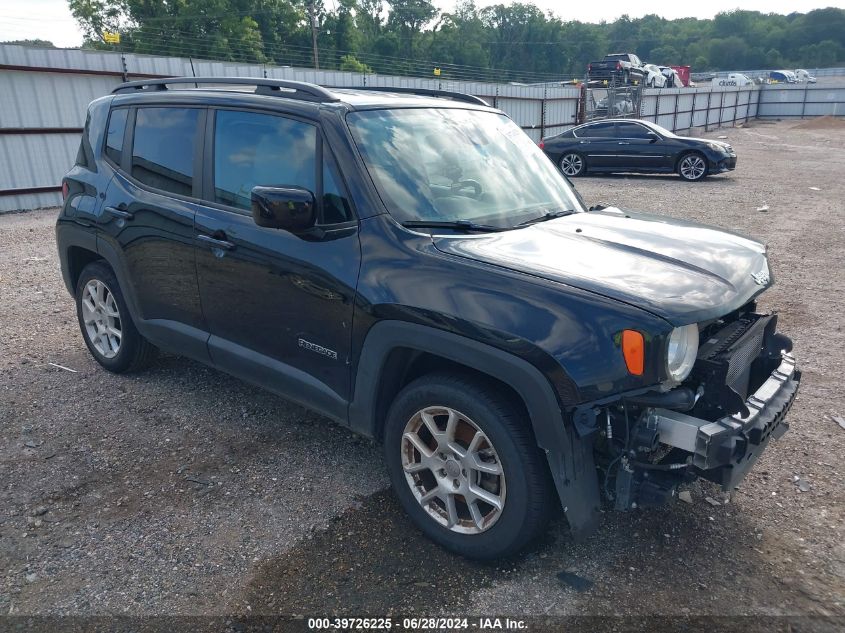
(408, 17)
(665, 52)
(37, 43)
(351, 64)
(516, 41)
(727, 53)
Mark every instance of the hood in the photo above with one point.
(681, 271)
(706, 140)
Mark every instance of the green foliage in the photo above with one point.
(348, 62)
(38, 43)
(516, 41)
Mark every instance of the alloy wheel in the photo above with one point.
(692, 167)
(101, 318)
(571, 164)
(453, 470)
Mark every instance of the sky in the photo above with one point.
(51, 19)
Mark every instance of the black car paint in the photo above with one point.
(659, 154)
(695, 273)
(371, 289)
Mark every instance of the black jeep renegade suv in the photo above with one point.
(412, 266)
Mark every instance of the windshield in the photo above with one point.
(446, 165)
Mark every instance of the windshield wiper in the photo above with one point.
(460, 225)
(549, 215)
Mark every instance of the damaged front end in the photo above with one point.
(714, 425)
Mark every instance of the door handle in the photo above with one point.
(119, 213)
(584, 143)
(215, 243)
(623, 143)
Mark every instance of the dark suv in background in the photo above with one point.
(412, 266)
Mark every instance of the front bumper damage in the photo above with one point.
(715, 426)
(725, 450)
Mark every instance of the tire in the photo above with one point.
(692, 166)
(523, 487)
(103, 314)
(573, 164)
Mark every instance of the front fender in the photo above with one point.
(570, 457)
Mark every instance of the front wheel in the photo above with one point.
(465, 466)
(573, 164)
(692, 167)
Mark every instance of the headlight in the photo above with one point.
(716, 147)
(683, 348)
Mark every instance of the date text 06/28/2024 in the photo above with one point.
(417, 624)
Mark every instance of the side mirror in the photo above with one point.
(288, 208)
(653, 137)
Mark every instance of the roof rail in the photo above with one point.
(426, 92)
(279, 87)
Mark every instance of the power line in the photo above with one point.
(365, 57)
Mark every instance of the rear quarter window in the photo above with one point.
(115, 133)
(596, 130)
(85, 155)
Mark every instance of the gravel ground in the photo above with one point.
(184, 491)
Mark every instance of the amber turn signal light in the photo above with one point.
(633, 349)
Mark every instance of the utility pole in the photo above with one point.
(313, 19)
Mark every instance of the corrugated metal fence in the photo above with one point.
(44, 94)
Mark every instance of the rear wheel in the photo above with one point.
(572, 164)
(465, 466)
(692, 167)
(107, 327)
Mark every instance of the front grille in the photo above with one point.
(717, 342)
(726, 366)
(743, 355)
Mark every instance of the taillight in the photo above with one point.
(618, 65)
(589, 68)
(64, 190)
(541, 145)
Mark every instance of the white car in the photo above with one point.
(654, 77)
(673, 79)
(803, 75)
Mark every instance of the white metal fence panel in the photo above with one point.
(684, 111)
(32, 161)
(560, 115)
(49, 100)
(801, 101)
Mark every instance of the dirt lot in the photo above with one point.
(184, 491)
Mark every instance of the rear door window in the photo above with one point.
(163, 148)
